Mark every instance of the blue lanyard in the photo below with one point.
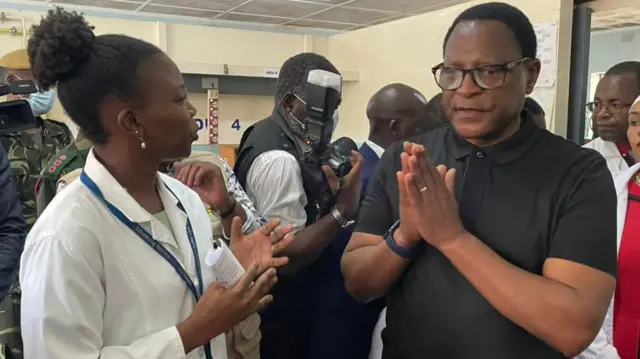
(157, 246)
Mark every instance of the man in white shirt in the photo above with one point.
(615, 93)
(278, 168)
(396, 112)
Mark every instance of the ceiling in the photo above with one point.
(342, 15)
(616, 18)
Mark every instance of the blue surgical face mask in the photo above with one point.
(41, 102)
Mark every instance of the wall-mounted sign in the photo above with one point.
(271, 73)
(202, 124)
(236, 124)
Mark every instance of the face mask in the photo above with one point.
(336, 119)
(41, 102)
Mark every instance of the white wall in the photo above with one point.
(613, 46)
(401, 51)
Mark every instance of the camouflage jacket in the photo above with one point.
(69, 159)
(10, 337)
(29, 152)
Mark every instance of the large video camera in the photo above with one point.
(322, 95)
(16, 115)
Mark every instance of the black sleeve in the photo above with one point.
(12, 225)
(586, 230)
(376, 213)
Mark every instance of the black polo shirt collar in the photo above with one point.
(503, 152)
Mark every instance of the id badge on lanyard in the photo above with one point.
(157, 246)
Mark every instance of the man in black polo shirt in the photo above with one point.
(511, 254)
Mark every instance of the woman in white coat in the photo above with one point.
(115, 266)
(619, 337)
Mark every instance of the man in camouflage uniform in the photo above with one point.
(28, 152)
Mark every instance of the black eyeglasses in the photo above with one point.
(486, 77)
(612, 108)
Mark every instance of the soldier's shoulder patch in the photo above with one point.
(59, 162)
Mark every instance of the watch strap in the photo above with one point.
(403, 252)
(344, 223)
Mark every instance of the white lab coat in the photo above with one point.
(602, 346)
(611, 154)
(91, 288)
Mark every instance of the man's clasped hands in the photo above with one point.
(428, 208)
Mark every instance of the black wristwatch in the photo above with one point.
(404, 252)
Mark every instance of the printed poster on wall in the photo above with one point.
(213, 114)
(547, 34)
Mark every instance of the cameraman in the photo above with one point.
(29, 150)
(278, 166)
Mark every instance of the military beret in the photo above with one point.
(16, 60)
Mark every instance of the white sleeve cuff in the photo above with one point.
(249, 226)
(175, 349)
(165, 344)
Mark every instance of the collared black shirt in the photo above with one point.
(531, 197)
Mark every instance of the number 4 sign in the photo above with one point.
(236, 124)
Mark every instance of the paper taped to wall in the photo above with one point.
(547, 34)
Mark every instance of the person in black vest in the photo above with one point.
(278, 167)
(511, 253)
